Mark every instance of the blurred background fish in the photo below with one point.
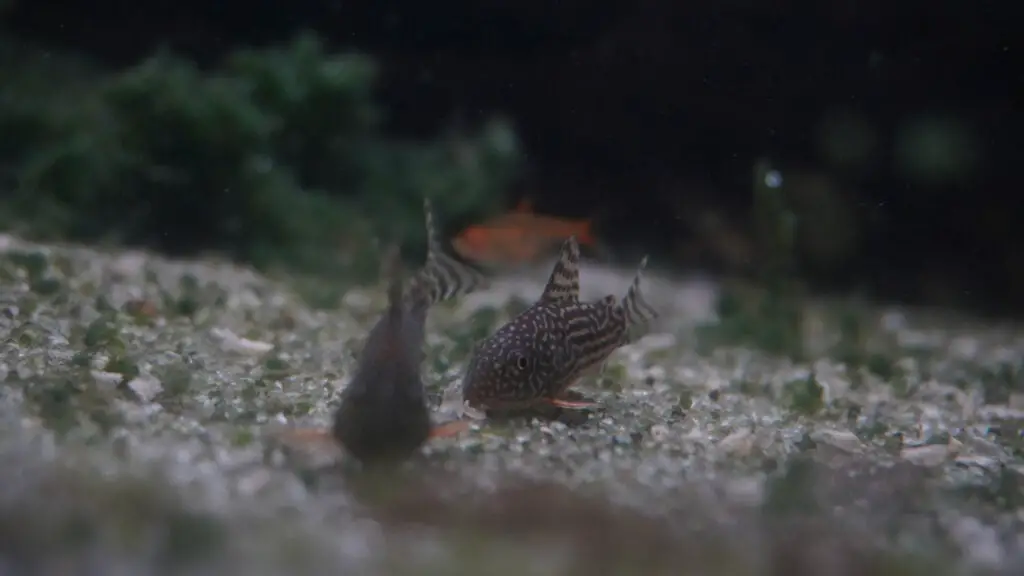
(521, 237)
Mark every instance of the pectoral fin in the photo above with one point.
(449, 429)
(571, 404)
(307, 436)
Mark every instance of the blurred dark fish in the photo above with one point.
(383, 414)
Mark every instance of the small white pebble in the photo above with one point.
(893, 321)
(964, 347)
(748, 491)
(231, 342)
(976, 461)
(357, 299)
(739, 442)
(930, 455)
(252, 483)
(842, 439)
(105, 378)
(659, 341)
(659, 432)
(146, 387)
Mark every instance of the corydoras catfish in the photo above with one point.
(538, 355)
(383, 414)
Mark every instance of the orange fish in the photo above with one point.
(519, 236)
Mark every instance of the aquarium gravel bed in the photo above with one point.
(141, 401)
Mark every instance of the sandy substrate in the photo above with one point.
(139, 399)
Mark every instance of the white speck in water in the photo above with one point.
(894, 320)
(773, 179)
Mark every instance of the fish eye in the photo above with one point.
(521, 363)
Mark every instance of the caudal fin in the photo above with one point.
(638, 311)
(442, 277)
(585, 235)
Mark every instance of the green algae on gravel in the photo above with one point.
(163, 381)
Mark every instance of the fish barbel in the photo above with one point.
(537, 356)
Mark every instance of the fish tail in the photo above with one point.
(591, 227)
(637, 310)
(585, 234)
(442, 277)
(396, 284)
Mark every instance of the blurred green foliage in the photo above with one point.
(273, 157)
(772, 318)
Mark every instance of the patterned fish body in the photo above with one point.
(383, 414)
(544, 350)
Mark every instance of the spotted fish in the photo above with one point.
(383, 415)
(542, 352)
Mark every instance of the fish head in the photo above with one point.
(514, 366)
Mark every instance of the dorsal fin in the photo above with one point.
(564, 283)
(442, 277)
(433, 237)
(637, 310)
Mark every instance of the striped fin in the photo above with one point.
(637, 310)
(442, 277)
(564, 283)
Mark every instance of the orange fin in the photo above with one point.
(449, 429)
(308, 436)
(571, 404)
(585, 236)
